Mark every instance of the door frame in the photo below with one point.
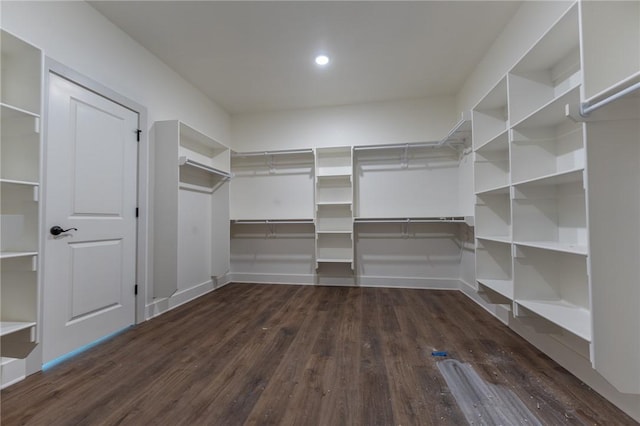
(142, 225)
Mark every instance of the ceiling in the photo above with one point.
(258, 56)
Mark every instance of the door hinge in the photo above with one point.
(135, 290)
(138, 131)
(137, 212)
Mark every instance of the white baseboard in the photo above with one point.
(361, 281)
(160, 306)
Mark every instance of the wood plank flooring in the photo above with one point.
(300, 355)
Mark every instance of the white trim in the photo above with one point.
(160, 306)
(350, 281)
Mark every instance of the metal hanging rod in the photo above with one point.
(412, 220)
(184, 161)
(397, 146)
(586, 108)
(272, 221)
(264, 153)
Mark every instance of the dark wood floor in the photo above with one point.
(295, 355)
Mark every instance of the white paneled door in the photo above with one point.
(91, 190)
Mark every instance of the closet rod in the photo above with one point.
(586, 109)
(188, 162)
(411, 220)
(399, 145)
(272, 222)
(263, 153)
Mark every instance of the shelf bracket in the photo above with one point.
(405, 157)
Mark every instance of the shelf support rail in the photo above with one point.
(586, 108)
(264, 153)
(186, 161)
(451, 219)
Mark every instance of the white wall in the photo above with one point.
(76, 35)
(404, 121)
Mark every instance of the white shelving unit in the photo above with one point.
(532, 239)
(334, 205)
(557, 227)
(191, 208)
(20, 210)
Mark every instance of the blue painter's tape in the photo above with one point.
(78, 351)
(439, 353)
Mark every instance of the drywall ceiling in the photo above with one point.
(257, 56)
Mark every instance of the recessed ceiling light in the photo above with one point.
(322, 60)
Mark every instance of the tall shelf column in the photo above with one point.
(20, 210)
(334, 205)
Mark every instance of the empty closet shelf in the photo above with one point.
(571, 317)
(14, 254)
(9, 327)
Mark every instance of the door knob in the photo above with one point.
(56, 230)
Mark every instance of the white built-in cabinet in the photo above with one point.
(557, 201)
(20, 153)
(191, 209)
(334, 205)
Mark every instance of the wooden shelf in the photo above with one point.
(497, 239)
(555, 246)
(572, 318)
(16, 254)
(503, 287)
(334, 172)
(19, 182)
(10, 327)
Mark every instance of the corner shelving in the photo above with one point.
(334, 205)
(20, 210)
